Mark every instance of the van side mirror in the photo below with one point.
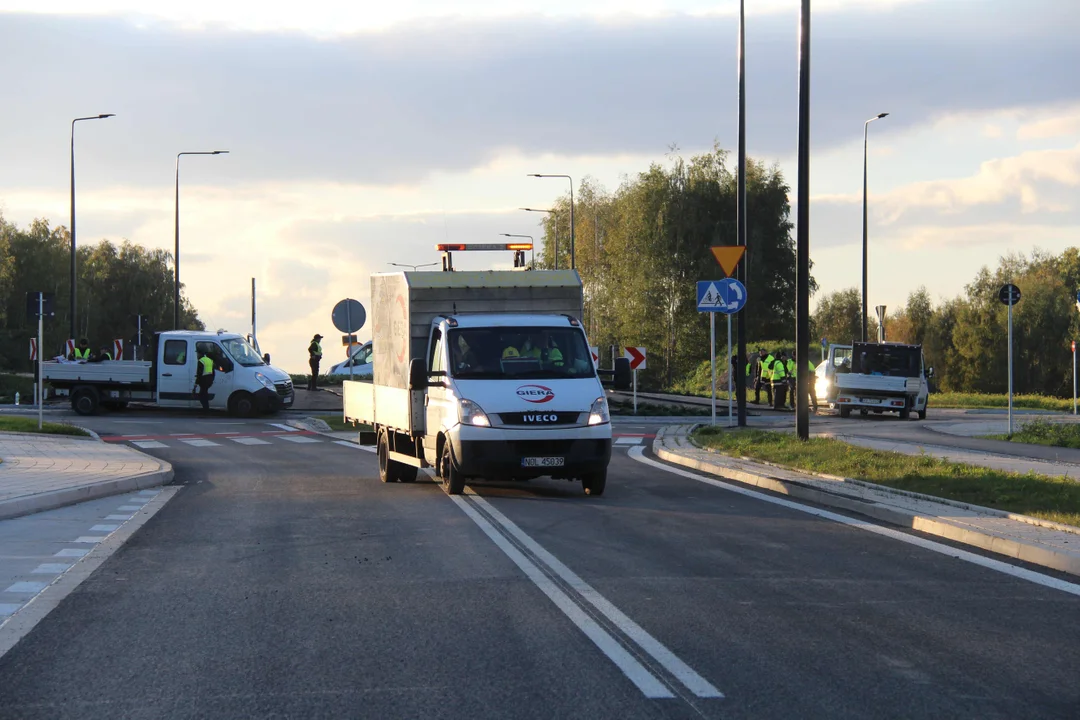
(266, 358)
(418, 374)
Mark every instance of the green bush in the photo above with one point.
(11, 383)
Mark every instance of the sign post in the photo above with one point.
(1010, 295)
(728, 258)
(727, 296)
(636, 356)
(1074, 376)
(348, 317)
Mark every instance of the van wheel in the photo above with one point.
(241, 404)
(845, 411)
(922, 414)
(452, 479)
(85, 400)
(594, 483)
(387, 468)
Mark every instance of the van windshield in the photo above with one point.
(520, 353)
(889, 360)
(242, 353)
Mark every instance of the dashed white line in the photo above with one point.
(118, 517)
(628, 441)
(286, 428)
(104, 528)
(299, 439)
(200, 442)
(50, 569)
(71, 552)
(180, 434)
(92, 539)
(130, 507)
(250, 441)
(27, 586)
(147, 493)
(149, 444)
(228, 432)
(9, 608)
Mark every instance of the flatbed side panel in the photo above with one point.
(870, 383)
(119, 372)
(392, 408)
(359, 400)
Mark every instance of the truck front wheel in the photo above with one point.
(241, 404)
(85, 400)
(845, 411)
(453, 480)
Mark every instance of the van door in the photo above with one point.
(176, 373)
(839, 362)
(437, 402)
(224, 376)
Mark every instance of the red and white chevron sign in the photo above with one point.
(636, 355)
(595, 351)
(33, 348)
(118, 349)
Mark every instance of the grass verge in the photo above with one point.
(985, 400)
(1041, 496)
(621, 408)
(1044, 432)
(13, 423)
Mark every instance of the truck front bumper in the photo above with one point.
(497, 453)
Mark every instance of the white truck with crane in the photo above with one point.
(484, 374)
(244, 383)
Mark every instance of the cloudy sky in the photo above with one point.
(362, 133)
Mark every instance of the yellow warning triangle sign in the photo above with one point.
(728, 256)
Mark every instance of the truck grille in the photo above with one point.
(554, 448)
(284, 389)
(539, 419)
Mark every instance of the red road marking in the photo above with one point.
(118, 438)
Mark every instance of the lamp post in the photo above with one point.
(573, 264)
(555, 215)
(866, 127)
(176, 256)
(531, 241)
(414, 267)
(73, 304)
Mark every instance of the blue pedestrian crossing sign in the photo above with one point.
(726, 296)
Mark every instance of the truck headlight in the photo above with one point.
(472, 414)
(265, 381)
(598, 413)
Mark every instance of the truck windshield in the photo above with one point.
(889, 360)
(520, 353)
(242, 353)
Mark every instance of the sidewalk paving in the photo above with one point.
(41, 472)
(1025, 538)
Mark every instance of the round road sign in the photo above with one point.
(348, 316)
(1009, 294)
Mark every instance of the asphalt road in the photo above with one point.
(284, 580)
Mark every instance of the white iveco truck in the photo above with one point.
(484, 375)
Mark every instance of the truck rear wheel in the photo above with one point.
(845, 411)
(453, 480)
(391, 470)
(905, 413)
(594, 483)
(85, 400)
(922, 414)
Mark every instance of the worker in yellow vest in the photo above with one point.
(204, 378)
(764, 377)
(82, 351)
(779, 380)
(314, 358)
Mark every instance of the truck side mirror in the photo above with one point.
(930, 373)
(418, 374)
(266, 358)
(623, 378)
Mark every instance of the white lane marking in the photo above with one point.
(8, 608)
(50, 568)
(346, 443)
(27, 587)
(145, 493)
(298, 438)
(139, 435)
(989, 563)
(130, 508)
(228, 432)
(118, 517)
(286, 428)
(628, 441)
(200, 442)
(104, 528)
(149, 444)
(92, 539)
(646, 682)
(694, 682)
(71, 552)
(250, 441)
(180, 434)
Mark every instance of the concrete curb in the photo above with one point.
(1038, 555)
(31, 504)
(319, 427)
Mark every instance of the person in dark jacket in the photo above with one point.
(204, 378)
(314, 358)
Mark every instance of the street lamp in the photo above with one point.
(555, 214)
(414, 267)
(573, 264)
(866, 127)
(90, 117)
(531, 240)
(176, 258)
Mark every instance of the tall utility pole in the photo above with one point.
(866, 127)
(73, 304)
(176, 256)
(555, 221)
(802, 236)
(573, 263)
(740, 214)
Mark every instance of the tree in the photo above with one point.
(839, 318)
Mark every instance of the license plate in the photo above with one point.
(543, 462)
(871, 401)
